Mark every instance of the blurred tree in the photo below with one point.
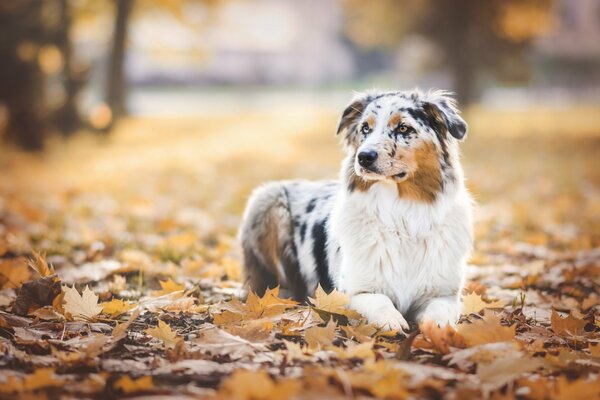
(116, 75)
(22, 86)
(472, 36)
(35, 47)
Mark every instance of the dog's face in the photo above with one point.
(399, 135)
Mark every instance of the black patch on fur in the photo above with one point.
(319, 235)
(428, 119)
(311, 205)
(303, 231)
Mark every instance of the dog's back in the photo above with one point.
(284, 237)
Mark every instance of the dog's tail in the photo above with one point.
(267, 239)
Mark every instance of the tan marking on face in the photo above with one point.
(268, 243)
(394, 121)
(370, 120)
(426, 181)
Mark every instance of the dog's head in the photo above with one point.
(401, 136)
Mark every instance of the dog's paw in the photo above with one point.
(442, 313)
(389, 320)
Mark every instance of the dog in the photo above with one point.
(394, 233)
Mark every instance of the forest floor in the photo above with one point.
(120, 274)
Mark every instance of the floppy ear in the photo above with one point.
(354, 110)
(443, 109)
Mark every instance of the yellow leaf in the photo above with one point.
(40, 378)
(473, 304)
(40, 265)
(441, 339)
(319, 338)
(14, 272)
(169, 286)
(258, 385)
(164, 332)
(567, 326)
(127, 385)
(116, 307)
(82, 307)
(333, 303)
(488, 330)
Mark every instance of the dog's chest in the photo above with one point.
(403, 249)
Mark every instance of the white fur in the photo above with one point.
(413, 253)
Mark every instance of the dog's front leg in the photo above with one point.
(379, 310)
(441, 310)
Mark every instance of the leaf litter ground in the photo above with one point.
(120, 275)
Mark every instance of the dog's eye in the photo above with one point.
(365, 129)
(402, 128)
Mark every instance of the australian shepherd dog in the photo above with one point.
(393, 233)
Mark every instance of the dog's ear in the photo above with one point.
(441, 108)
(354, 110)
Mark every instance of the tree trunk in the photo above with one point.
(67, 117)
(116, 96)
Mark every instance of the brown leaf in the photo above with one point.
(487, 330)
(318, 337)
(258, 385)
(567, 326)
(473, 303)
(442, 339)
(35, 294)
(14, 272)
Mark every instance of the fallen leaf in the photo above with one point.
(487, 330)
(168, 287)
(251, 385)
(569, 325)
(36, 294)
(472, 303)
(164, 332)
(40, 265)
(320, 337)
(116, 307)
(127, 385)
(14, 272)
(442, 339)
(80, 307)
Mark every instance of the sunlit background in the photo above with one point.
(157, 117)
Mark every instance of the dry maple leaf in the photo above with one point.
(487, 330)
(127, 385)
(472, 303)
(506, 369)
(569, 325)
(333, 304)
(40, 265)
(320, 337)
(80, 307)
(269, 305)
(116, 307)
(164, 332)
(169, 286)
(442, 339)
(40, 378)
(250, 385)
(14, 272)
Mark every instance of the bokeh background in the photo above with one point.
(145, 123)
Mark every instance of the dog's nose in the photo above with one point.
(367, 158)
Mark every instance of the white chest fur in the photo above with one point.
(409, 251)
